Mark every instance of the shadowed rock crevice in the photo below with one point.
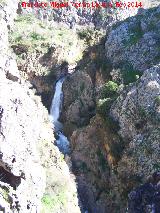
(146, 198)
(9, 178)
(11, 77)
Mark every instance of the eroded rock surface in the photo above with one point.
(131, 151)
(126, 44)
(33, 174)
(78, 107)
(138, 115)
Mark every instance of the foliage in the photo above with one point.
(135, 33)
(25, 19)
(129, 74)
(82, 86)
(142, 112)
(90, 36)
(103, 64)
(103, 106)
(36, 36)
(157, 100)
(108, 95)
(3, 2)
(5, 193)
(85, 34)
(51, 202)
(156, 166)
(112, 124)
(110, 89)
(41, 36)
(83, 167)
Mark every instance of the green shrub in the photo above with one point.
(104, 65)
(2, 2)
(83, 167)
(82, 86)
(135, 33)
(4, 192)
(85, 34)
(156, 166)
(103, 106)
(109, 94)
(36, 36)
(110, 89)
(47, 201)
(129, 74)
(28, 18)
(142, 113)
(90, 36)
(157, 100)
(51, 202)
(41, 36)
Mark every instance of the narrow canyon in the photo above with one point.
(80, 108)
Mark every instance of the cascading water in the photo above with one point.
(62, 141)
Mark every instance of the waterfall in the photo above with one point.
(56, 106)
(62, 141)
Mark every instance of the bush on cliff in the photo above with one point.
(108, 95)
(110, 89)
(103, 106)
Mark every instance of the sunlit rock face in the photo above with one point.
(18, 145)
(82, 15)
(32, 170)
(20, 165)
(135, 41)
(137, 110)
(139, 103)
(8, 65)
(30, 164)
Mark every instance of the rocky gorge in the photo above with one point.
(110, 111)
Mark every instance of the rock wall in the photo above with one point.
(117, 150)
(99, 17)
(33, 174)
(126, 42)
(138, 113)
(113, 151)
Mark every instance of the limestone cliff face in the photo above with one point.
(32, 169)
(8, 65)
(94, 157)
(126, 43)
(84, 15)
(137, 110)
(78, 107)
(33, 174)
(119, 148)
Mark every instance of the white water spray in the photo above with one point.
(62, 141)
